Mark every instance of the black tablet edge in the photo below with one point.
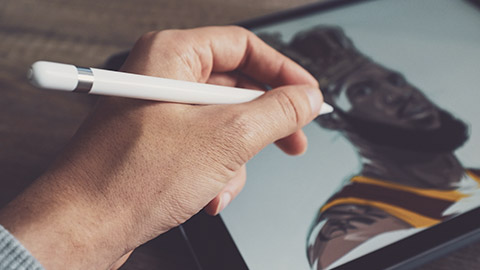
(212, 244)
(424, 246)
(297, 12)
(476, 3)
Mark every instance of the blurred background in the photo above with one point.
(36, 124)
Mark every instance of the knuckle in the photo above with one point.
(176, 48)
(163, 37)
(243, 32)
(147, 37)
(167, 34)
(290, 110)
(242, 125)
(146, 40)
(239, 29)
(239, 133)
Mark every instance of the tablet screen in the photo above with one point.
(398, 156)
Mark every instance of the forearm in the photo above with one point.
(55, 232)
(59, 224)
(81, 212)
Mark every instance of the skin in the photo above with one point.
(136, 169)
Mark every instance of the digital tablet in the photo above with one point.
(391, 179)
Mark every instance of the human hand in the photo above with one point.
(136, 169)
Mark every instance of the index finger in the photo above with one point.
(228, 48)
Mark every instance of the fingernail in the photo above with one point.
(224, 201)
(315, 99)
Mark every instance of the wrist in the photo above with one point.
(58, 230)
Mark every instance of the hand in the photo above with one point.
(136, 169)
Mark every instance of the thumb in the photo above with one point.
(281, 112)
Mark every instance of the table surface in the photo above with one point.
(35, 125)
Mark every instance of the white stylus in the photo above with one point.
(66, 77)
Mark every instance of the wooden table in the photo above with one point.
(35, 125)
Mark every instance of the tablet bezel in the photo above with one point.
(214, 248)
